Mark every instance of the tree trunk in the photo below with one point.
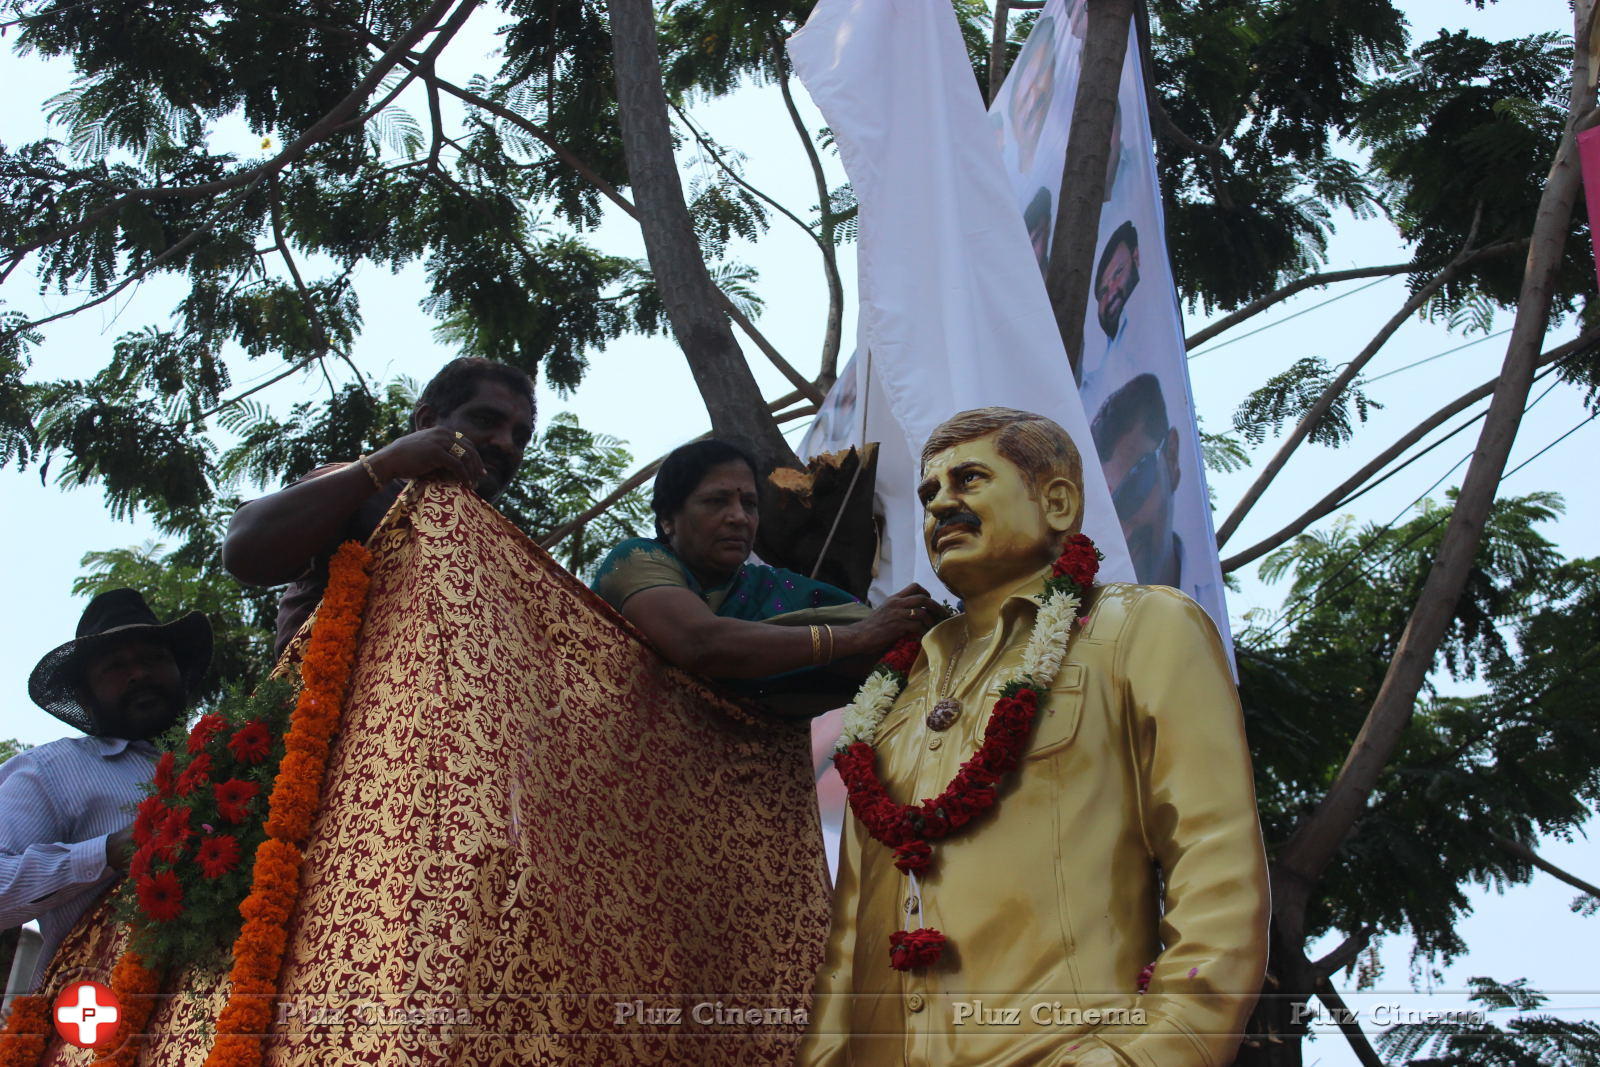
(1083, 176)
(1318, 839)
(699, 322)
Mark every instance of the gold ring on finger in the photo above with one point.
(457, 451)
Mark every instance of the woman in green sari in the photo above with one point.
(695, 596)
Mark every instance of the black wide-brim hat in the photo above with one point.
(112, 617)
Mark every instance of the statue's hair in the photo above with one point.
(1041, 449)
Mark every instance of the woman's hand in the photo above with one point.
(909, 613)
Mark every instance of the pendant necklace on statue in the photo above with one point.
(947, 710)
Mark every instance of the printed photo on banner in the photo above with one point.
(1131, 373)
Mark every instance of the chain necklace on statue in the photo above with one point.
(947, 709)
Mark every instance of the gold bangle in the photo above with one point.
(816, 646)
(366, 466)
(829, 629)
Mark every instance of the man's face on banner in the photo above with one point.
(1115, 284)
(1036, 83)
(1142, 472)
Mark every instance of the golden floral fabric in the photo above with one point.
(539, 843)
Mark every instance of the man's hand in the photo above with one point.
(432, 451)
(119, 849)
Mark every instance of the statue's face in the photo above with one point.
(982, 523)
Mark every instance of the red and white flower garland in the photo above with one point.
(909, 828)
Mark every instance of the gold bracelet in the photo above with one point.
(829, 629)
(370, 472)
(816, 646)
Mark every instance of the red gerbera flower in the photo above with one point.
(203, 731)
(139, 866)
(233, 798)
(194, 775)
(165, 767)
(145, 819)
(172, 833)
(161, 896)
(252, 743)
(218, 855)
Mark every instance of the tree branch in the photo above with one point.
(1528, 856)
(611, 193)
(1340, 495)
(1299, 285)
(334, 121)
(1070, 273)
(997, 48)
(832, 333)
(1319, 837)
(312, 314)
(1345, 954)
(1342, 381)
(1346, 1021)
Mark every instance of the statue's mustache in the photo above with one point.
(959, 518)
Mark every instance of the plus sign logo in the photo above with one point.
(87, 1014)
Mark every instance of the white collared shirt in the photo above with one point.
(58, 804)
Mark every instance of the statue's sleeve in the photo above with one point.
(827, 1039)
(1198, 813)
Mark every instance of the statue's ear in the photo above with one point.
(1062, 499)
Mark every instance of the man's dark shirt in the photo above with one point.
(303, 594)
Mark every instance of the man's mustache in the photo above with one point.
(136, 692)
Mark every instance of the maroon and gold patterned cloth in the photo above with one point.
(539, 843)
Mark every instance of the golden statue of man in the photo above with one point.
(1110, 907)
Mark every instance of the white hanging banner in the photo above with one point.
(953, 309)
(1134, 375)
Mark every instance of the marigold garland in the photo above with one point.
(27, 1032)
(136, 986)
(275, 878)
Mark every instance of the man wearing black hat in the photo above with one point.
(66, 806)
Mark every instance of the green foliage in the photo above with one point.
(10, 747)
(1223, 453)
(564, 473)
(1452, 130)
(185, 809)
(1519, 760)
(1290, 395)
(1525, 1041)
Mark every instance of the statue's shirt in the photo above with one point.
(1130, 825)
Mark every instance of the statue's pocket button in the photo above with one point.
(914, 1002)
(935, 743)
